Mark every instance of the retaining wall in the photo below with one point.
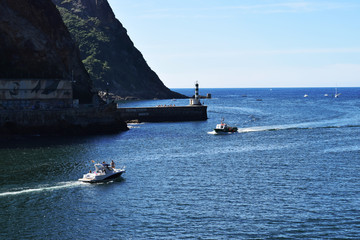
(60, 122)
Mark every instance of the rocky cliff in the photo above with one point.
(35, 43)
(107, 52)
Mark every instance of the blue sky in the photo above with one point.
(240, 43)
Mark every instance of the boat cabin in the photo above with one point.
(221, 126)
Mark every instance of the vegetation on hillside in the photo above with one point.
(88, 35)
(107, 52)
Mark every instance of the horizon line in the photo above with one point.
(253, 87)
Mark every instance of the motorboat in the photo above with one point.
(103, 172)
(224, 128)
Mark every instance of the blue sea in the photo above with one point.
(291, 172)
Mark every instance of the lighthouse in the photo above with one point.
(196, 99)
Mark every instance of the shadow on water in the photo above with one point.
(35, 141)
(36, 160)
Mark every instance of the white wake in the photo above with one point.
(42, 189)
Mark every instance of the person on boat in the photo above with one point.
(112, 164)
(105, 164)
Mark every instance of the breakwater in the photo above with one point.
(164, 114)
(74, 121)
(85, 121)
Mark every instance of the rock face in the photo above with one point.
(107, 52)
(35, 43)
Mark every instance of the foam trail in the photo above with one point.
(308, 125)
(212, 132)
(41, 189)
(274, 128)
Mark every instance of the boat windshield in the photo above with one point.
(99, 167)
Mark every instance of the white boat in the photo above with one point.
(103, 172)
(306, 95)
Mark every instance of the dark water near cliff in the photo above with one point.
(293, 171)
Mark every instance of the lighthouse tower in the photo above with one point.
(196, 99)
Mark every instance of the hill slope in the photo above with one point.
(108, 54)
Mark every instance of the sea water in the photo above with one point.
(291, 171)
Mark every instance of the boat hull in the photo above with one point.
(226, 130)
(100, 178)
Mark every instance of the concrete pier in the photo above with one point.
(164, 114)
